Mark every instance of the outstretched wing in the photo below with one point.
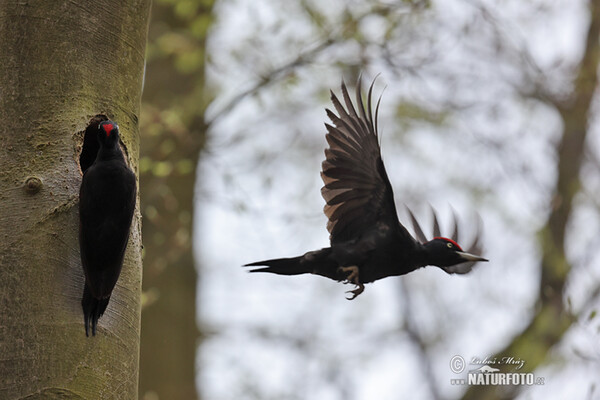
(357, 191)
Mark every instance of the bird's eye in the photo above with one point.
(449, 245)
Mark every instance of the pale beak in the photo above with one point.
(470, 257)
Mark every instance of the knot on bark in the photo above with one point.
(33, 184)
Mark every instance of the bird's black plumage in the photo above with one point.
(106, 204)
(367, 240)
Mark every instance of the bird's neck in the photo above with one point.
(423, 256)
(109, 153)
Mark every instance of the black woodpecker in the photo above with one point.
(368, 242)
(106, 204)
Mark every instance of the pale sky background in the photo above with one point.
(278, 337)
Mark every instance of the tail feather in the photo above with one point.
(281, 266)
(93, 309)
(316, 262)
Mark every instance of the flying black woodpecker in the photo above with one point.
(106, 203)
(367, 240)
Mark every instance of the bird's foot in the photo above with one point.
(353, 277)
(359, 289)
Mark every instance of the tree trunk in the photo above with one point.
(174, 134)
(61, 63)
(552, 318)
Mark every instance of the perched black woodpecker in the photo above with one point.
(367, 240)
(106, 203)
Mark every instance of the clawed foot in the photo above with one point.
(359, 289)
(353, 277)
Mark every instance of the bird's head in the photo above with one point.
(108, 133)
(444, 252)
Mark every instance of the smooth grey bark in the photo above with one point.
(62, 62)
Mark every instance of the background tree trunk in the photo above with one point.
(553, 316)
(174, 134)
(62, 63)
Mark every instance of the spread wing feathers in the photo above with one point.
(357, 191)
(455, 228)
(417, 228)
(475, 248)
(436, 224)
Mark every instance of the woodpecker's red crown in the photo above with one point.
(450, 241)
(108, 127)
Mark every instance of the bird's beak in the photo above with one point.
(470, 257)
